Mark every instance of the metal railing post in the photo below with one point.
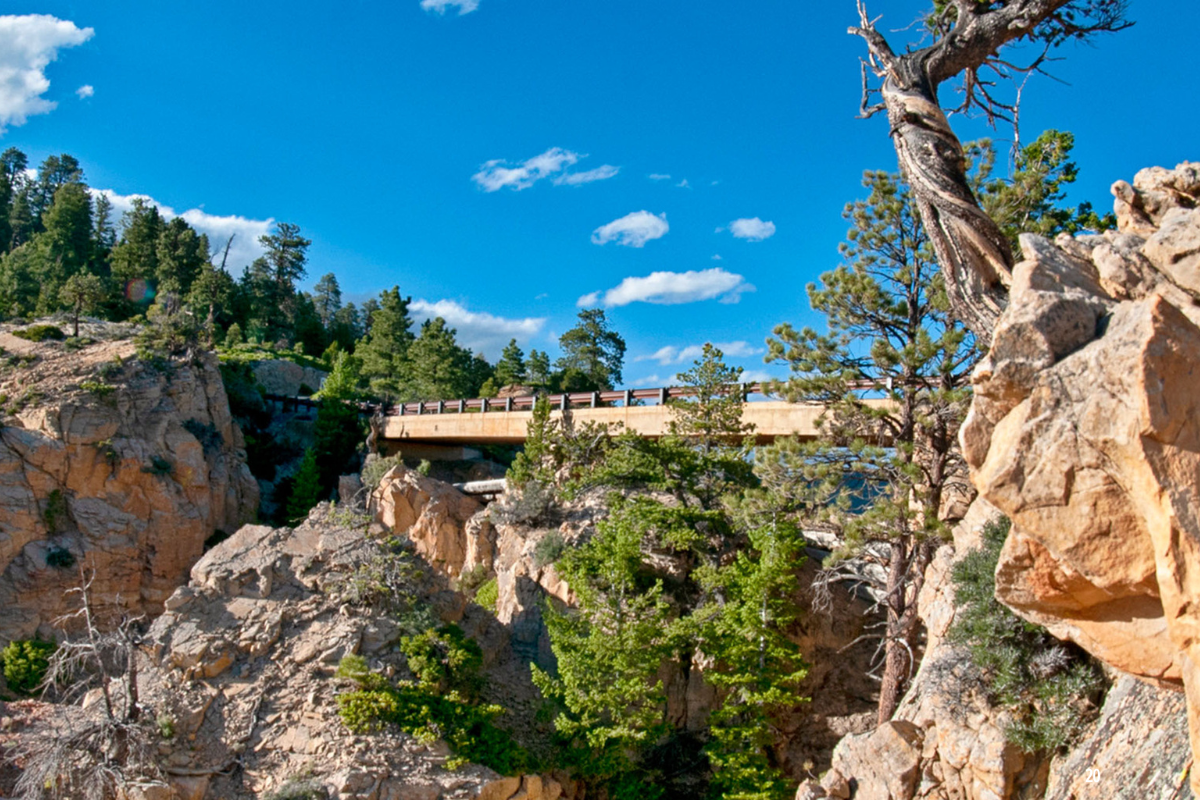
(628, 399)
(508, 404)
(662, 396)
(441, 406)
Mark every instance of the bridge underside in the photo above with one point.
(770, 419)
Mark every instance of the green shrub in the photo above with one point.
(74, 343)
(109, 451)
(488, 595)
(101, 390)
(165, 724)
(1052, 688)
(56, 510)
(442, 703)
(298, 789)
(59, 557)
(549, 549)
(472, 578)
(40, 333)
(375, 468)
(206, 434)
(111, 369)
(25, 664)
(424, 467)
(159, 466)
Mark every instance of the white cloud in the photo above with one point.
(683, 184)
(754, 229)
(658, 176)
(676, 355)
(480, 331)
(440, 6)
(673, 288)
(245, 232)
(632, 230)
(27, 45)
(717, 257)
(602, 173)
(495, 175)
(85, 91)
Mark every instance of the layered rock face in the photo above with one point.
(287, 378)
(111, 465)
(247, 651)
(1085, 431)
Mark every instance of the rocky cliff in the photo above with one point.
(117, 465)
(1084, 431)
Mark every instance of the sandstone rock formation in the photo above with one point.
(283, 377)
(435, 516)
(1085, 431)
(247, 652)
(947, 742)
(114, 465)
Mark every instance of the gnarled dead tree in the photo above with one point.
(968, 37)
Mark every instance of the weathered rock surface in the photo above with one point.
(947, 734)
(114, 465)
(435, 516)
(283, 377)
(248, 651)
(1085, 431)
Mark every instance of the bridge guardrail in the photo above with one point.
(567, 400)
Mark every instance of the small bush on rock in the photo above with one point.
(375, 468)
(59, 557)
(40, 333)
(442, 703)
(1051, 687)
(549, 549)
(25, 664)
(298, 789)
(488, 595)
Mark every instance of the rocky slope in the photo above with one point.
(1084, 432)
(113, 464)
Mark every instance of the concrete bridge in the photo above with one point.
(437, 429)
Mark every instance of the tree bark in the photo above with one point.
(974, 255)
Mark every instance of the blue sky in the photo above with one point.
(502, 164)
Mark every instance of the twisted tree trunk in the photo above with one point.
(975, 256)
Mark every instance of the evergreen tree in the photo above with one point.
(306, 490)
(64, 247)
(211, 292)
(895, 464)
(53, 174)
(285, 257)
(384, 350)
(18, 284)
(327, 298)
(668, 590)
(439, 367)
(307, 330)
(592, 356)
(347, 327)
(180, 254)
(12, 169)
(1031, 199)
(537, 369)
(81, 293)
(135, 257)
(510, 369)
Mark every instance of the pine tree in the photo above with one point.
(537, 369)
(438, 367)
(327, 298)
(306, 489)
(384, 350)
(896, 463)
(135, 257)
(592, 354)
(81, 293)
(64, 247)
(510, 369)
(181, 254)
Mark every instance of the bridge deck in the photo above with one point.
(770, 419)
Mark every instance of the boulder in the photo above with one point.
(1085, 431)
(434, 516)
(283, 377)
